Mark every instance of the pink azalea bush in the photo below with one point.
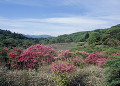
(96, 58)
(116, 54)
(34, 55)
(60, 69)
(61, 66)
(71, 57)
(14, 54)
(101, 61)
(62, 55)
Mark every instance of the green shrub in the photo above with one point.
(111, 42)
(113, 73)
(110, 50)
(3, 55)
(80, 43)
(94, 38)
(90, 49)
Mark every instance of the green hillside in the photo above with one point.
(9, 39)
(97, 36)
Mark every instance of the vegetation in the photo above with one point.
(113, 78)
(78, 59)
(92, 37)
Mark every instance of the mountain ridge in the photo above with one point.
(37, 36)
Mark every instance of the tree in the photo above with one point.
(87, 35)
(94, 38)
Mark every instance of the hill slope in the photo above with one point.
(113, 32)
(9, 39)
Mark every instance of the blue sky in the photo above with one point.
(57, 17)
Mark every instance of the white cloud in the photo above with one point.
(97, 14)
(58, 25)
(75, 20)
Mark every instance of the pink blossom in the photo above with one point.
(32, 55)
(61, 66)
(96, 58)
(116, 54)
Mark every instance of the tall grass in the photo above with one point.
(25, 77)
(88, 76)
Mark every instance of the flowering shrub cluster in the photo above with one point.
(71, 57)
(14, 55)
(38, 54)
(62, 55)
(61, 66)
(116, 54)
(96, 58)
(60, 69)
(35, 54)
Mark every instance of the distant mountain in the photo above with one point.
(37, 36)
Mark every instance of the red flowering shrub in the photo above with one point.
(32, 56)
(14, 54)
(37, 54)
(60, 69)
(61, 66)
(101, 61)
(116, 54)
(77, 61)
(72, 57)
(96, 58)
(62, 55)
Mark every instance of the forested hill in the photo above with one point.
(9, 39)
(9, 34)
(98, 36)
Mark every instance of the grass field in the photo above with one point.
(63, 46)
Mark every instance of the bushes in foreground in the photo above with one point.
(96, 58)
(113, 73)
(62, 62)
(32, 57)
(60, 70)
(36, 55)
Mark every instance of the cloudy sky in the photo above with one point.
(57, 17)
